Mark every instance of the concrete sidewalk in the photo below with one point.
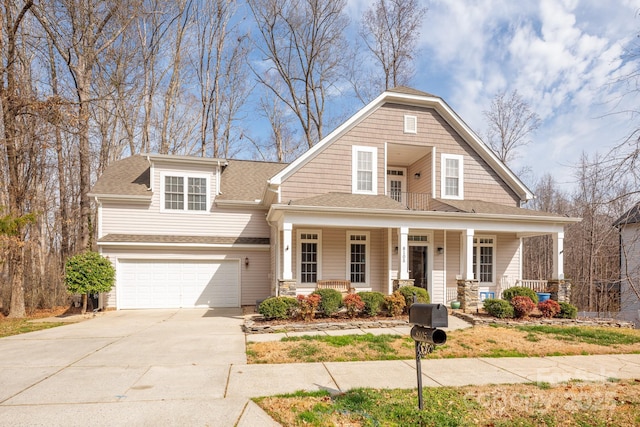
(188, 367)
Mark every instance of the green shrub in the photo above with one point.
(395, 303)
(277, 307)
(373, 302)
(549, 308)
(408, 291)
(88, 273)
(520, 291)
(498, 308)
(567, 311)
(331, 301)
(522, 306)
(354, 305)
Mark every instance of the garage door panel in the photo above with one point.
(175, 284)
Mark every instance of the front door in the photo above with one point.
(419, 266)
(396, 183)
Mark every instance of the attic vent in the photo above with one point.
(410, 124)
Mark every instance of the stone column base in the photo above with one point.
(400, 283)
(287, 288)
(560, 290)
(468, 295)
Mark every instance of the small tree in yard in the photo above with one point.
(88, 272)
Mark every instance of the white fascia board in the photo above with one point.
(238, 203)
(121, 197)
(339, 217)
(185, 159)
(185, 245)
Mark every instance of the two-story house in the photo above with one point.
(403, 191)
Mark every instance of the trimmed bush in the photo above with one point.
(499, 308)
(88, 273)
(395, 303)
(307, 306)
(520, 291)
(373, 302)
(408, 291)
(549, 308)
(354, 305)
(567, 311)
(277, 307)
(522, 306)
(331, 301)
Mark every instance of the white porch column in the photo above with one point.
(558, 256)
(287, 272)
(467, 254)
(403, 241)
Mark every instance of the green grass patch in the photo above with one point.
(597, 336)
(10, 327)
(346, 340)
(499, 352)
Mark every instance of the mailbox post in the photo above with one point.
(426, 318)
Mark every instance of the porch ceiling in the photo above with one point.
(405, 155)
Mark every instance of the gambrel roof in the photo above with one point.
(411, 97)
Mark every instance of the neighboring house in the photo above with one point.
(402, 192)
(629, 227)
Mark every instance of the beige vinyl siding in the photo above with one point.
(438, 285)
(254, 283)
(385, 125)
(127, 218)
(508, 257)
(452, 251)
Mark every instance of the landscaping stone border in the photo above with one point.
(250, 326)
(483, 320)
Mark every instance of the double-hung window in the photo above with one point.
(184, 193)
(451, 183)
(309, 255)
(358, 253)
(364, 174)
(484, 258)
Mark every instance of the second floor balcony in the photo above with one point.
(412, 201)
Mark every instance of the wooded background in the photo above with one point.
(87, 82)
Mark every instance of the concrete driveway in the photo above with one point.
(147, 367)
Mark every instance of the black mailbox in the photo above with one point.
(429, 315)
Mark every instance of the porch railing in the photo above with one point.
(452, 294)
(412, 201)
(536, 285)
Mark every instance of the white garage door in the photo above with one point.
(176, 284)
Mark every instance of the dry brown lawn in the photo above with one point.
(479, 341)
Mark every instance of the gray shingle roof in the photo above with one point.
(482, 207)
(346, 200)
(128, 176)
(164, 239)
(632, 216)
(246, 180)
(409, 91)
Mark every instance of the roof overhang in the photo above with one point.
(437, 104)
(523, 225)
(130, 198)
(170, 158)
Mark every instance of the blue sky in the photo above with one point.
(563, 56)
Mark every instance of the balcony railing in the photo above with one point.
(413, 201)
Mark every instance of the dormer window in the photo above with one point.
(451, 182)
(364, 174)
(184, 193)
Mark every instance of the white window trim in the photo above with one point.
(443, 160)
(354, 169)
(299, 255)
(185, 189)
(410, 124)
(367, 260)
(476, 249)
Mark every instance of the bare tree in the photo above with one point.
(302, 44)
(510, 122)
(81, 31)
(390, 30)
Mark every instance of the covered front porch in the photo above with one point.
(378, 246)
